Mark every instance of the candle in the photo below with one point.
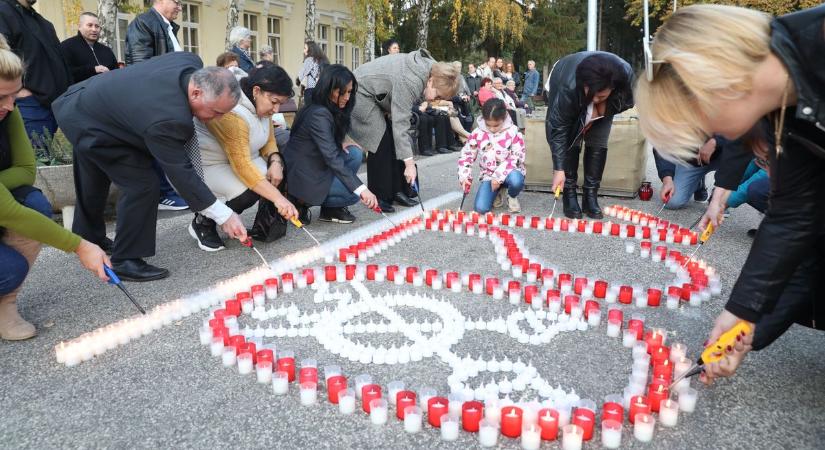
(449, 427)
(611, 433)
(280, 383)
(378, 411)
(346, 401)
(677, 352)
(286, 363)
(629, 338)
(488, 433)
(657, 392)
(586, 419)
(228, 357)
(436, 407)
(511, 420)
(669, 413)
(549, 424)
(335, 385)
(531, 437)
(264, 371)
(412, 419)
(361, 381)
(644, 425)
(393, 388)
(245, 363)
(612, 408)
(369, 392)
(571, 437)
(613, 328)
(403, 400)
(309, 393)
(455, 402)
(638, 405)
(471, 413)
(687, 399)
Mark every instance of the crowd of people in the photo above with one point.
(213, 147)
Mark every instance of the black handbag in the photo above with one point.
(269, 225)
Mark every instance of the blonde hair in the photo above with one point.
(446, 78)
(707, 52)
(11, 67)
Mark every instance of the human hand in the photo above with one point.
(101, 69)
(466, 184)
(707, 151)
(668, 189)
(495, 184)
(714, 214)
(275, 173)
(409, 171)
(286, 209)
(733, 355)
(369, 199)
(93, 258)
(558, 180)
(234, 228)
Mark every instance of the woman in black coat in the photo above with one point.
(320, 169)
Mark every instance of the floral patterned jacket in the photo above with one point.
(500, 153)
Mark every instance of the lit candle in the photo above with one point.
(611, 433)
(488, 433)
(264, 371)
(669, 413)
(586, 419)
(471, 413)
(412, 419)
(638, 405)
(531, 437)
(245, 363)
(436, 407)
(346, 401)
(403, 400)
(687, 400)
(549, 424)
(335, 385)
(369, 392)
(612, 408)
(644, 425)
(449, 427)
(657, 393)
(677, 352)
(309, 393)
(571, 437)
(378, 411)
(511, 421)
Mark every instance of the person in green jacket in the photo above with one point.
(25, 213)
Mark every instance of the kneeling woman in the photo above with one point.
(240, 158)
(321, 170)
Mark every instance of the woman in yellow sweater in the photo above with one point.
(239, 156)
(24, 211)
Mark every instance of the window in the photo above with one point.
(322, 38)
(356, 57)
(120, 36)
(273, 37)
(250, 21)
(189, 34)
(339, 46)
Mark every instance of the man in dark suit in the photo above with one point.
(116, 142)
(85, 55)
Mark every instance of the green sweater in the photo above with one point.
(13, 215)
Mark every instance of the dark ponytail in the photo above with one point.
(494, 109)
(269, 78)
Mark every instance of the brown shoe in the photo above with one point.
(12, 326)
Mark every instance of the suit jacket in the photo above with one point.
(313, 157)
(150, 119)
(390, 85)
(147, 37)
(82, 58)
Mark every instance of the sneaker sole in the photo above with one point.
(162, 207)
(335, 220)
(202, 247)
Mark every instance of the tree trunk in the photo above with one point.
(369, 43)
(232, 14)
(107, 15)
(424, 10)
(311, 21)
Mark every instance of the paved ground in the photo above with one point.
(165, 390)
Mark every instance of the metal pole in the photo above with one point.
(592, 9)
(647, 22)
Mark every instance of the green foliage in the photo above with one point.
(555, 29)
(51, 150)
(356, 30)
(660, 10)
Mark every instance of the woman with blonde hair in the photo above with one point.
(740, 67)
(25, 214)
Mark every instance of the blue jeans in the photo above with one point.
(485, 195)
(339, 195)
(15, 267)
(166, 188)
(758, 192)
(36, 119)
(685, 182)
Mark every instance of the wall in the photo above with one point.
(209, 35)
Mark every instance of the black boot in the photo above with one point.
(594, 160)
(571, 176)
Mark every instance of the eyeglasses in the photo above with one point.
(649, 61)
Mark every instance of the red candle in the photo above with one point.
(631, 231)
(534, 222)
(625, 294)
(569, 302)
(220, 314)
(513, 285)
(266, 355)
(271, 283)
(590, 305)
(657, 392)
(615, 315)
(309, 275)
(547, 276)
(371, 269)
(429, 275)
(597, 227)
(659, 355)
(505, 219)
(403, 399)
(471, 413)
(369, 392)
(549, 424)
(653, 337)
(330, 273)
(248, 347)
(613, 411)
(391, 271)
(233, 307)
(614, 229)
(335, 385)
(600, 289)
(638, 404)
(452, 277)
(664, 369)
(637, 326)
(411, 271)
(646, 232)
(308, 374)
(586, 419)
(519, 221)
(436, 407)
(511, 417)
(565, 226)
(654, 297)
(287, 364)
(579, 284)
(530, 291)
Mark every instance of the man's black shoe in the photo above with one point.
(107, 245)
(386, 206)
(203, 230)
(337, 215)
(428, 152)
(403, 200)
(138, 270)
(443, 150)
(456, 147)
(752, 233)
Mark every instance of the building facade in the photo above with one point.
(277, 23)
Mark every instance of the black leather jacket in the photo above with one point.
(784, 275)
(567, 109)
(147, 37)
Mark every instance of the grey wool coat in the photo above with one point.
(390, 85)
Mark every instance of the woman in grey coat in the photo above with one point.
(388, 89)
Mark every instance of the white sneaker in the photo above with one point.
(513, 203)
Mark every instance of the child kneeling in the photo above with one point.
(502, 158)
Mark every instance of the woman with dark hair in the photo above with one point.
(390, 46)
(586, 90)
(321, 169)
(485, 92)
(314, 61)
(239, 156)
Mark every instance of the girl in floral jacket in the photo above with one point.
(500, 147)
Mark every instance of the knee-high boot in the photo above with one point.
(12, 326)
(594, 160)
(571, 177)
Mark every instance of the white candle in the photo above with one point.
(677, 352)
(456, 401)
(264, 371)
(280, 383)
(216, 347)
(360, 381)
(309, 393)
(669, 413)
(531, 437)
(613, 329)
(378, 411)
(228, 357)
(572, 436)
(449, 427)
(412, 419)
(643, 427)
(245, 363)
(629, 338)
(611, 433)
(594, 317)
(393, 388)
(687, 400)
(488, 433)
(639, 349)
(346, 401)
